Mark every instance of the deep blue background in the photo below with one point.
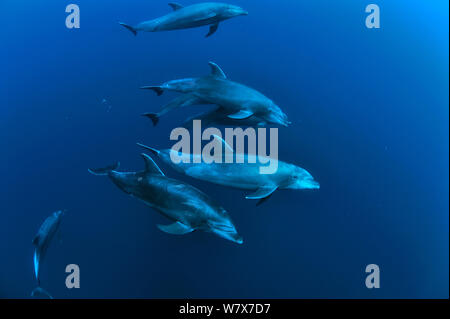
(370, 122)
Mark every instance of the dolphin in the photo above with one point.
(244, 175)
(189, 208)
(236, 101)
(43, 238)
(196, 15)
(40, 293)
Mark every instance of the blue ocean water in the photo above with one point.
(370, 122)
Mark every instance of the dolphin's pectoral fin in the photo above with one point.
(151, 149)
(241, 115)
(216, 70)
(175, 228)
(212, 29)
(262, 192)
(35, 240)
(176, 6)
(150, 165)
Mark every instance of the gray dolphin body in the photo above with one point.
(244, 175)
(43, 238)
(236, 101)
(188, 207)
(196, 15)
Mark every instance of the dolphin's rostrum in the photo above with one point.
(236, 101)
(196, 15)
(188, 208)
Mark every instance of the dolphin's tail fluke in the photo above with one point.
(152, 116)
(151, 149)
(40, 293)
(129, 27)
(207, 118)
(104, 171)
(36, 260)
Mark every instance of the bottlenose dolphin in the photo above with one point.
(236, 101)
(43, 238)
(244, 175)
(188, 207)
(196, 15)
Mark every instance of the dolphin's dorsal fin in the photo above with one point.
(175, 228)
(150, 165)
(227, 146)
(176, 6)
(216, 71)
